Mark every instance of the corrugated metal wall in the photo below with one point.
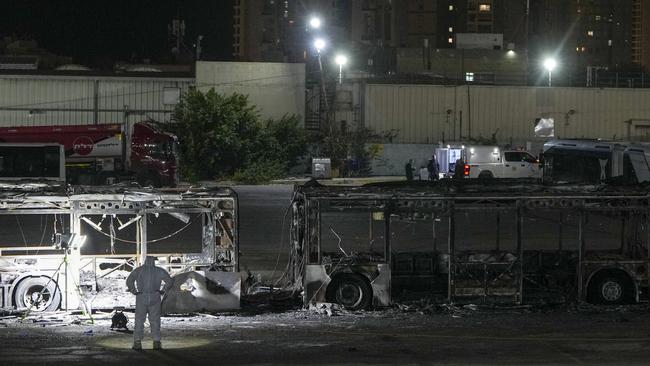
(60, 100)
(428, 113)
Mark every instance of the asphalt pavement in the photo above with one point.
(447, 336)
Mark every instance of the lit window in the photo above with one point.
(451, 8)
(451, 29)
(609, 42)
(450, 40)
(577, 49)
(590, 33)
(485, 7)
(597, 17)
(469, 76)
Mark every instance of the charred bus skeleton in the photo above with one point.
(498, 242)
(73, 247)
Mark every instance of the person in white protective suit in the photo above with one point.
(145, 283)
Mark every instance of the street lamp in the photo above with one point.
(341, 60)
(549, 64)
(314, 22)
(319, 44)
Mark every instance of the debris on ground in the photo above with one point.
(327, 308)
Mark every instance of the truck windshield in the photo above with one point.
(165, 149)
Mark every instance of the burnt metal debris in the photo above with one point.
(472, 241)
(89, 238)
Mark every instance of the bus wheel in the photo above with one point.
(611, 288)
(37, 294)
(351, 291)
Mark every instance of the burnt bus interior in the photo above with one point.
(507, 242)
(110, 230)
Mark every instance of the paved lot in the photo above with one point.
(480, 337)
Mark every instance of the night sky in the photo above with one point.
(98, 33)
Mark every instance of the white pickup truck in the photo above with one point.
(492, 162)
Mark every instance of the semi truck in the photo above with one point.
(108, 153)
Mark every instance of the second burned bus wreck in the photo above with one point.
(490, 242)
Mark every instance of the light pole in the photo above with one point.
(341, 60)
(314, 22)
(319, 45)
(550, 64)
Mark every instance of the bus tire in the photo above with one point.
(611, 288)
(37, 294)
(352, 291)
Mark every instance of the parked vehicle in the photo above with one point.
(583, 161)
(470, 241)
(32, 161)
(636, 163)
(446, 158)
(108, 153)
(493, 162)
(73, 247)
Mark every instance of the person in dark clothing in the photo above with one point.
(459, 169)
(433, 168)
(408, 169)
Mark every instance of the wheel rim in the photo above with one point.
(612, 291)
(349, 295)
(37, 298)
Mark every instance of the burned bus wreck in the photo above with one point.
(73, 247)
(508, 241)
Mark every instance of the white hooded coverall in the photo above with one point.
(145, 282)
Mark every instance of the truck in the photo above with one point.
(470, 241)
(108, 153)
(494, 162)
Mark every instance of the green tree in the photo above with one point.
(221, 136)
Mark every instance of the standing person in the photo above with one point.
(433, 168)
(408, 169)
(459, 169)
(145, 283)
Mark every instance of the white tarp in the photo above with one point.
(545, 127)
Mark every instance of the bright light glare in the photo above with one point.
(314, 22)
(341, 60)
(550, 64)
(319, 44)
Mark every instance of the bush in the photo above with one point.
(260, 172)
(222, 136)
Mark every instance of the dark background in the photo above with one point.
(98, 33)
